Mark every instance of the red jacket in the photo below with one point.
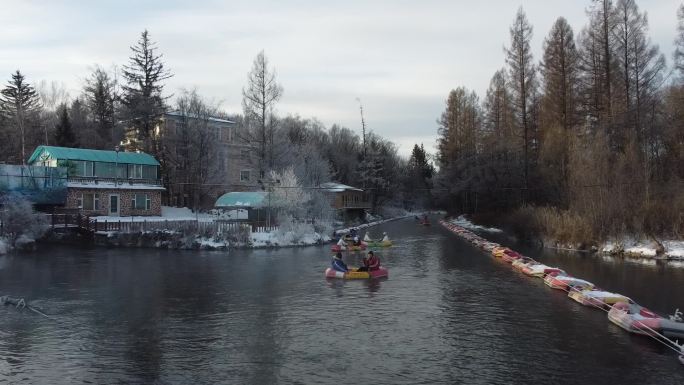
(373, 263)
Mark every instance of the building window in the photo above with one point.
(141, 202)
(135, 171)
(245, 175)
(89, 202)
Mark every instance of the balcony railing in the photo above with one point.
(120, 181)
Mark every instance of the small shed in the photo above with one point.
(350, 202)
(254, 202)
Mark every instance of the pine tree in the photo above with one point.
(18, 101)
(142, 97)
(522, 72)
(100, 93)
(64, 133)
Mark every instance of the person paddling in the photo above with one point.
(371, 263)
(338, 264)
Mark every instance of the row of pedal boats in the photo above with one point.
(622, 310)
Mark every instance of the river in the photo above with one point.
(447, 314)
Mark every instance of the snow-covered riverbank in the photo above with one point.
(627, 247)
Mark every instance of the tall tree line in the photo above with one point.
(593, 129)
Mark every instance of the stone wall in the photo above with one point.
(125, 201)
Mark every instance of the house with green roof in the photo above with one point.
(101, 182)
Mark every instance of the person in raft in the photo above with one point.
(385, 237)
(338, 264)
(371, 263)
(342, 244)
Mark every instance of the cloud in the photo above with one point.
(400, 57)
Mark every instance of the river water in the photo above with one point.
(447, 314)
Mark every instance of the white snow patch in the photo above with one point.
(467, 224)
(277, 238)
(206, 242)
(673, 249)
(168, 214)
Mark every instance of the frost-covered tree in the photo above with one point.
(20, 220)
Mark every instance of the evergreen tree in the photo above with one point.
(142, 95)
(100, 94)
(64, 133)
(18, 100)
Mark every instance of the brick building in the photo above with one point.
(99, 182)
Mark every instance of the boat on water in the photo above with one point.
(510, 256)
(673, 327)
(522, 263)
(597, 298)
(635, 318)
(539, 270)
(566, 282)
(498, 252)
(353, 273)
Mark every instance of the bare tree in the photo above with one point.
(522, 73)
(258, 102)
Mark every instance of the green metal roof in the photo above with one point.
(67, 153)
(241, 199)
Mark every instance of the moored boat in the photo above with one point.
(523, 262)
(540, 270)
(353, 273)
(510, 256)
(566, 282)
(635, 318)
(598, 298)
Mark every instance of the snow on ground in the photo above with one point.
(277, 238)
(467, 224)
(630, 246)
(168, 214)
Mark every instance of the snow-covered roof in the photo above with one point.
(338, 187)
(192, 116)
(241, 199)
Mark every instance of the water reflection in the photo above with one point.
(448, 313)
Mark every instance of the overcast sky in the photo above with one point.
(400, 58)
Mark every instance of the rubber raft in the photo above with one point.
(354, 274)
(349, 247)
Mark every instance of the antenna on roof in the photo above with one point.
(363, 127)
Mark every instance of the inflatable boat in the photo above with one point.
(566, 282)
(634, 318)
(354, 274)
(349, 247)
(598, 298)
(372, 243)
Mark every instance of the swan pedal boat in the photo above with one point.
(353, 273)
(598, 298)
